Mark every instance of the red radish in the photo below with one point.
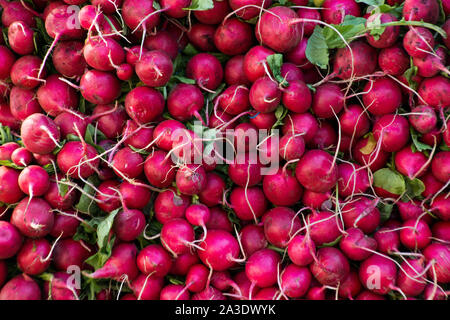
(334, 12)
(44, 159)
(331, 266)
(393, 60)
(6, 117)
(158, 169)
(323, 227)
(308, 13)
(441, 206)
(99, 94)
(297, 97)
(129, 224)
(351, 286)
(433, 92)
(201, 36)
(423, 119)
(439, 254)
(214, 15)
(213, 192)
(153, 259)
(20, 37)
(185, 101)
(389, 35)
(110, 119)
(169, 205)
(234, 71)
(255, 64)
(124, 71)
(298, 57)
(198, 215)
(426, 10)
(292, 147)
(206, 70)
(290, 72)
(359, 62)
(69, 252)
(135, 195)
(361, 213)
(235, 99)
(248, 203)
(301, 250)
(315, 200)
(295, 281)
(33, 258)
(127, 163)
(107, 198)
(176, 236)
(21, 287)
(432, 185)
(378, 274)
(352, 179)
(382, 96)
(265, 95)
(430, 65)
(7, 149)
(103, 54)
(121, 263)
(282, 188)
(65, 225)
(253, 239)
(144, 104)
(183, 263)
(163, 133)
(68, 58)
(191, 179)
(409, 163)
(440, 166)
(354, 122)
(209, 293)
(10, 240)
(174, 292)
(196, 278)
(60, 287)
(77, 159)
(139, 137)
(366, 153)
(388, 240)
(407, 278)
(34, 181)
(354, 243)
(147, 287)
(262, 268)
(220, 250)
(219, 220)
(154, 68)
(325, 137)
(233, 37)
(280, 224)
(248, 9)
(7, 58)
(23, 103)
(393, 130)
(39, 134)
(33, 217)
(244, 171)
(418, 42)
(10, 191)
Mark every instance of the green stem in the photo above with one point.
(413, 23)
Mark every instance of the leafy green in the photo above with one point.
(371, 2)
(409, 76)
(389, 180)
(184, 79)
(275, 61)
(5, 134)
(200, 5)
(86, 204)
(317, 49)
(417, 145)
(385, 210)
(104, 228)
(101, 256)
(414, 188)
(332, 243)
(280, 113)
(9, 163)
(93, 136)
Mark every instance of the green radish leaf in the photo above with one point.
(371, 2)
(385, 210)
(62, 187)
(332, 243)
(104, 228)
(280, 113)
(349, 29)
(417, 145)
(389, 180)
(414, 188)
(10, 164)
(275, 61)
(317, 49)
(200, 5)
(397, 11)
(102, 255)
(370, 145)
(175, 281)
(86, 204)
(190, 50)
(409, 75)
(5, 134)
(184, 79)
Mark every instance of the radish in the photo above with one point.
(441, 206)
(280, 225)
(169, 205)
(68, 58)
(138, 137)
(34, 181)
(282, 188)
(378, 274)
(304, 123)
(103, 54)
(328, 100)
(262, 268)
(234, 100)
(162, 135)
(154, 68)
(128, 224)
(10, 191)
(214, 15)
(325, 137)
(433, 92)
(107, 198)
(393, 60)
(410, 164)
(153, 259)
(32, 258)
(248, 203)
(253, 239)
(147, 287)
(213, 192)
(423, 119)
(427, 10)
(255, 64)
(389, 35)
(439, 255)
(185, 101)
(331, 266)
(10, 240)
(243, 171)
(291, 72)
(210, 293)
(356, 63)
(65, 226)
(20, 37)
(68, 252)
(376, 93)
(158, 169)
(361, 213)
(220, 250)
(77, 159)
(197, 278)
(176, 236)
(441, 230)
(94, 93)
(174, 292)
(7, 149)
(431, 64)
(295, 281)
(23, 103)
(16, 11)
(6, 117)
(323, 227)
(110, 119)
(393, 132)
(234, 71)
(233, 37)
(21, 287)
(351, 286)
(219, 220)
(440, 166)
(25, 74)
(311, 14)
(59, 287)
(354, 242)
(33, 217)
(297, 97)
(368, 295)
(198, 215)
(406, 278)
(127, 163)
(135, 195)
(191, 179)
(301, 250)
(352, 179)
(201, 36)
(418, 42)
(183, 263)
(354, 121)
(246, 9)
(206, 70)
(388, 240)
(292, 147)
(334, 12)
(39, 134)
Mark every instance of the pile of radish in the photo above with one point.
(106, 106)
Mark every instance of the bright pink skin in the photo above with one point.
(393, 60)
(352, 180)
(307, 28)
(386, 270)
(367, 295)
(10, 240)
(427, 10)
(36, 131)
(168, 205)
(124, 71)
(325, 137)
(15, 11)
(56, 96)
(58, 24)
(196, 278)
(68, 123)
(185, 101)
(409, 163)
(390, 34)
(410, 210)
(134, 12)
(191, 179)
(254, 62)
(295, 281)
(393, 130)
(135, 196)
(354, 121)
(144, 104)
(253, 239)
(56, 200)
(212, 194)
(446, 28)
(69, 252)
(99, 87)
(388, 241)
(335, 11)
(383, 96)
(138, 138)
(127, 163)
(297, 97)
(245, 286)
(107, 6)
(209, 293)
(129, 224)
(374, 161)
(34, 181)
(174, 292)
(122, 262)
(21, 157)
(262, 268)
(233, 37)
(432, 292)
(24, 69)
(7, 149)
(75, 153)
(248, 12)
(440, 166)
(64, 226)
(44, 159)
(158, 170)
(244, 172)
(23, 103)
(164, 42)
(201, 36)
(316, 293)
(291, 72)
(21, 287)
(214, 15)
(88, 14)
(249, 210)
(155, 68)
(424, 122)
(362, 214)
(275, 31)
(103, 56)
(433, 92)
(132, 56)
(154, 259)
(409, 286)
(20, 38)
(183, 263)
(282, 188)
(291, 147)
(219, 220)
(107, 198)
(206, 70)
(174, 9)
(176, 235)
(304, 123)
(221, 250)
(350, 287)
(432, 185)
(60, 287)
(147, 287)
(418, 41)
(68, 58)
(234, 100)
(37, 221)
(354, 242)
(280, 224)
(197, 214)
(441, 254)
(325, 231)
(432, 137)
(163, 133)
(441, 207)
(301, 250)
(363, 61)
(331, 266)
(298, 57)
(234, 71)
(431, 64)
(242, 134)
(31, 255)
(314, 171)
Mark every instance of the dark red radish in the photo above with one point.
(301, 250)
(219, 220)
(354, 243)
(147, 287)
(201, 36)
(382, 96)
(350, 287)
(440, 166)
(433, 92)
(418, 42)
(185, 101)
(290, 72)
(378, 274)
(197, 278)
(393, 60)
(68, 58)
(144, 104)
(255, 65)
(393, 130)
(253, 239)
(68, 252)
(308, 13)
(139, 137)
(248, 203)
(282, 188)
(153, 259)
(158, 169)
(234, 71)
(206, 70)
(441, 207)
(21, 287)
(389, 35)
(127, 163)
(352, 179)
(213, 192)
(183, 263)
(23, 103)
(262, 268)
(439, 255)
(354, 121)
(135, 194)
(233, 37)
(39, 134)
(10, 240)
(292, 147)
(65, 225)
(280, 225)
(245, 171)
(33, 257)
(93, 92)
(129, 224)
(107, 196)
(361, 213)
(358, 62)
(154, 68)
(215, 15)
(248, 9)
(295, 281)
(324, 227)
(425, 10)
(110, 119)
(331, 266)
(408, 279)
(33, 217)
(77, 159)
(234, 100)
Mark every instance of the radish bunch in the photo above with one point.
(117, 119)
